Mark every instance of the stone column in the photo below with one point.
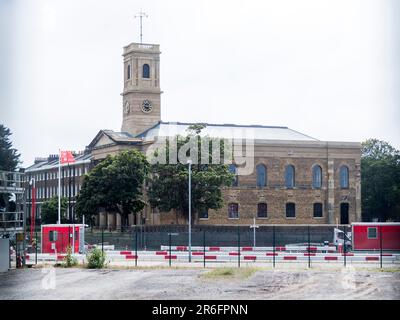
(331, 191)
(358, 192)
(102, 219)
(118, 221)
(111, 220)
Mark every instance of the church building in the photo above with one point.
(295, 179)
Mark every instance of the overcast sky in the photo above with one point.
(329, 69)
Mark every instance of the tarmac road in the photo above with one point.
(177, 284)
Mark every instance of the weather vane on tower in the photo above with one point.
(140, 15)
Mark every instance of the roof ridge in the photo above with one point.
(223, 125)
(147, 130)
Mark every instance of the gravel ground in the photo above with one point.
(165, 284)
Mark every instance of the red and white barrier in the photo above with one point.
(222, 255)
(289, 248)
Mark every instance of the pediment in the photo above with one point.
(103, 140)
(100, 140)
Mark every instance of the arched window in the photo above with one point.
(128, 72)
(262, 210)
(317, 177)
(233, 211)
(344, 177)
(146, 71)
(261, 176)
(290, 210)
(317, 212)
(289, 177)
(233, 169)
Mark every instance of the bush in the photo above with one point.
(96, 259)
(70, 260)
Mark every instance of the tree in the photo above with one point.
(50, 210)
(115, 184)
(9, 161)
(9, 157)
(168, 184)
(380, 181)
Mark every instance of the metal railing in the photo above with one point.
(12, 185)
(272, 249)
(12, 182)
(11, 220)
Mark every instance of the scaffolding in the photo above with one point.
(12, 206)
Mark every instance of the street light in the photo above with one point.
(190, 209)
(32, 183)
(254, 227)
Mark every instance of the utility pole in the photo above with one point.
(141, 15)
(69, 194)
(190, 210)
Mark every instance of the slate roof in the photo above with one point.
(258, 132)
(52, 161)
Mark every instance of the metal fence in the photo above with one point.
(272, 245)
(151, 238)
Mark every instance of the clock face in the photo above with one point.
(146, 106)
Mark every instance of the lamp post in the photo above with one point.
(190, 210)
(32, 183)
(254, 227)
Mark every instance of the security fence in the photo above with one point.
(210, 245)
(151, 237)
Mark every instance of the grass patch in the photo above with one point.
(230, 273)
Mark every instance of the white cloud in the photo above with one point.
(326, 68)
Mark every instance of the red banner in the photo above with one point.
(66, 157)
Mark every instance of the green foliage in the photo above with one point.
(9, 157)
(115, 184)
(70, 260)
(168, 185)
(50, 210)
(96, 259)
(380, 181)
(196, 128)
(9, 161)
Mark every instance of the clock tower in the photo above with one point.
(141, 104)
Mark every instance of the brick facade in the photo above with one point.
(247, 195)
(45, 174)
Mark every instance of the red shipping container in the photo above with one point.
(367, 236)
(57, 237)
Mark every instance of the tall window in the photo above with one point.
(261, 176)
(317, 210)
(262, 210)
(128, 72)
(233, 211)
(290, 210)
(233, 169)
(289, 176)
(317, 177)
(344, 177)
(146, 71)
